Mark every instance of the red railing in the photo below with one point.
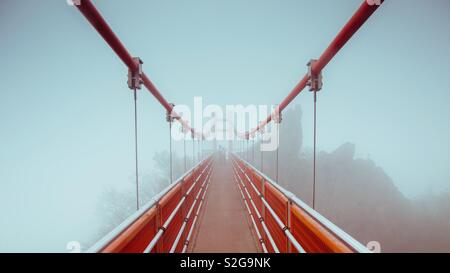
(286, 224)
(165, 224)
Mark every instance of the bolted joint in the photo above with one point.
(169, 114)
(314, 79)
(135, 76)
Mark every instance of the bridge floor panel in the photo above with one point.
(223, 226)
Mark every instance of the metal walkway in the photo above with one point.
(224, 226)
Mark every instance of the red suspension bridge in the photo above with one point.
(224, 204)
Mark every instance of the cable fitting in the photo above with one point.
(135, 76)
(169, 114)
(314, 78)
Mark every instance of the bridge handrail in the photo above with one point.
(158, 236)
(258, 214)
(313, 213)
(102, 243)
(280, 223)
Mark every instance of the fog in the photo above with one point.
(66, 114)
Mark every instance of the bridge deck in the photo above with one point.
(224, 225)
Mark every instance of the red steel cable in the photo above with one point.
(353, 25)
(87, 8)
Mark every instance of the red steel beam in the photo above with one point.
(94, 17)
(353, 25)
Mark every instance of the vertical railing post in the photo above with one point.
(289, 225)
(159, 222)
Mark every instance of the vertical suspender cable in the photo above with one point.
(170, 119)
(278, 147)
(262, 154)
(136, 149)
(314, 152)
(193, 151)
(244, 154)
(184, 148)
(246, 150)
(253, 151)
(170, 151)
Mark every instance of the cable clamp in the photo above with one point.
(169, 114)
(285, 228)
(135, 76)
(261, 219)
(186, 219)
(314, 77)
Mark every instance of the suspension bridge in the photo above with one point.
(224, 203)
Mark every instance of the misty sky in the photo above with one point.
(66, 130)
